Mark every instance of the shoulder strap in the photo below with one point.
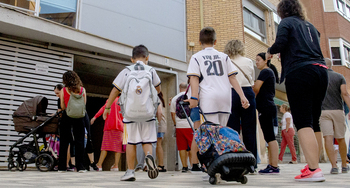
(247, 77)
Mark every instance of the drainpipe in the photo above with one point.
(201, 13)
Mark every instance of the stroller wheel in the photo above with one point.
(244, 180)
(213, 180)
(44, 162)
(12, 165)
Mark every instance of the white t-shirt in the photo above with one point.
(120, 80)
(213, 69)
(180, 123)
(248, 68)
(284, 122)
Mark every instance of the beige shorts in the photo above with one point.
(219, 118)
(332, 122)
(142, 133)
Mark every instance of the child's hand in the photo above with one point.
(193, 102)
(245, 102)
(92, 121)
(106, 113)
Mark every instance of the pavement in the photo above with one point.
(176, 179)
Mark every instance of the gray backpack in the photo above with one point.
(76, 105)
(139, 100)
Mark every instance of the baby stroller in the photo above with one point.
(221, 152)
(31, 118)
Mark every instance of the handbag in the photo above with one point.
(247, 77)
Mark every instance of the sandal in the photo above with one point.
(161, 168)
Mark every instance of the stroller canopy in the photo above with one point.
(32, 107)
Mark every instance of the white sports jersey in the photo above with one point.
(213, 69)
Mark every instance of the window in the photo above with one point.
(61, 11)
(20, 4)
(336, 56)
(254, 23)
(343, 8)
(277, 21)
(347, 55)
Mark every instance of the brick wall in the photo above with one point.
(225, 16)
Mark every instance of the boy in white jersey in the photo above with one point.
(138, 132)
(211, 76)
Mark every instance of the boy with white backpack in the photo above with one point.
(139, 85)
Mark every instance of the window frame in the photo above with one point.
(252, 15)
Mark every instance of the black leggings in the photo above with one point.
(306, 88)
(267, 116)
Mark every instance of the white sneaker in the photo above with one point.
(205, 177)
(62, 171)
(82, 171)
(152, 167)
(114, 169)
(128, 176)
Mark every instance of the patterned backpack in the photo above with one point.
(179, 111)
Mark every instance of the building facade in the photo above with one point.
(41, 39)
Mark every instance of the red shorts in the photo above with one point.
(184, 138)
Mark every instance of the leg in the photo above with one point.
(160, 152)
(68, 155)
(273, 153)
(103, 155)
(64, 142)
(309, 145)
(283, 145)
(195, 117)
(79, 135)
(342, 151)
(147, 148)
(183, 157)
(116, 160)
(131, 155)
(290, 141)
(330, 150)
(140, 156)
(319, 139)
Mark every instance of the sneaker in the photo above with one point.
(128, 176)
(71, 168)
(334, 171)
(184, 169)
(82, 171)
(205, 177)
(61, 171)
(152, 167)
(195, 169)
(93, 166)
(270, 170)
(138, 168)
(114, 169)
(312, 176)
(306, 167)
(345, 169)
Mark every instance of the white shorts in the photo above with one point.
(218, 118)
(142, 132)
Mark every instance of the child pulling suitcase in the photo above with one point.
(221, 152)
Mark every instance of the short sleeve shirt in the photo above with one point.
(284, 121)
(120, 80)
(213, 69)
(333, 99)
(267, 91)
(180, 123)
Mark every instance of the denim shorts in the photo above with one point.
(195, 114)
(160, 135)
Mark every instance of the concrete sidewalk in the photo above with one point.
(33, 178)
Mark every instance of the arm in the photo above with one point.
(281, 39)
(63, 106)
(98, 114)
(238, 89)
(159, 113)
(112, 96)
(173, 117)
(287, 124)
(345, 95)
(84, 96)
(257, 86)
(194, 82)
(158, 88)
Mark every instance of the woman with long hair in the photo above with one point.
(73, 85)
(264, 89)
(287, 134)
(240, 117)
(304, 69)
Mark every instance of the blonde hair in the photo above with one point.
(286, 107)
(234, 47)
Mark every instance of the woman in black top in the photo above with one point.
(306, 76)
(264, 89)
